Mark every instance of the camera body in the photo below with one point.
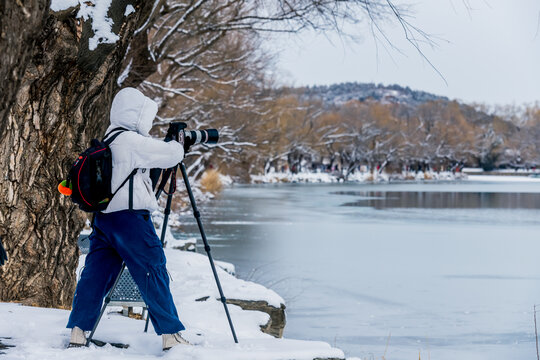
(175, 131)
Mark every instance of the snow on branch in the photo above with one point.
(101, 23)
(177, 91)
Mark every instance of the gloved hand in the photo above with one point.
(188, 141)
(182, 138)
(3, 255)
(171, 134)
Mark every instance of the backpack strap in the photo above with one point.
(113, 130)
(131, 191)
(130, 178)
(109, 141)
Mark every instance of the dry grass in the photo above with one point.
(211, 182)
(132, 314)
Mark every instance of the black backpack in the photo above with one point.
(90, 176)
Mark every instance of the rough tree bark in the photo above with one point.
(19, 29)
(63, 102)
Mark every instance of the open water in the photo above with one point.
(438, 270)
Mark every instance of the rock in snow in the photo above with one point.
(277, 321)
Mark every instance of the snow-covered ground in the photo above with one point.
(39, 333)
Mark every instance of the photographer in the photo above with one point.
(124, 231)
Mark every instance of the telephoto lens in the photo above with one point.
(208, 136)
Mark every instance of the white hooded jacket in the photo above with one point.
(135, 149)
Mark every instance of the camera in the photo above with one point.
(177, 131)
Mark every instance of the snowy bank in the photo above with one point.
(359, 176)
(39, 333)
(503, 178)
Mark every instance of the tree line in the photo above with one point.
(292, 132)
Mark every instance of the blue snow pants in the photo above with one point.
(127, 236)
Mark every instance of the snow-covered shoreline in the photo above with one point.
(39, 333)
(358, 177)
(368, 177)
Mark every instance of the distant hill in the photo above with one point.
(338, 94)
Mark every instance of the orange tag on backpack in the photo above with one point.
(64, 189)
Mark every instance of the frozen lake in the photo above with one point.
(450, 270)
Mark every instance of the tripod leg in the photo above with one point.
(197, 215)
(105, 304)
(169, 173)
(167, 210)
(147, 320)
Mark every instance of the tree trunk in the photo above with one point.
(63, 102)
(19, 29)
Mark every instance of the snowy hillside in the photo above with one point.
(338, 94)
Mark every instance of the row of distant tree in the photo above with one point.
(284, 131)
(437, 135)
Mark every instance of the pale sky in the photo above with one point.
(490, 53)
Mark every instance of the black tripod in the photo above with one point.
(170, 175)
